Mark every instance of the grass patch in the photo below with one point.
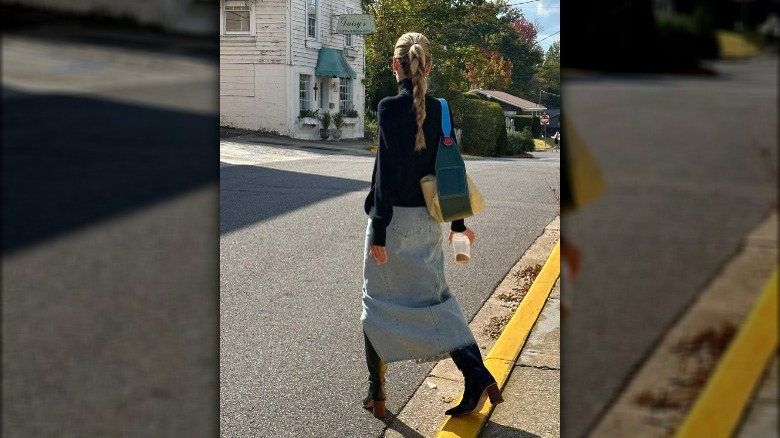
(541, 145)
(735, 45)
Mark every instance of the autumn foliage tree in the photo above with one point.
(526, 30)
(488, 70)
(521, 48)
(455, 28)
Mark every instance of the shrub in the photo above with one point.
(533, 123)
(325, 119)
(522, 121)
(338, 120)
(481, 122)
(306, 113)
(520, 141)
(471, 95)
(370, 129)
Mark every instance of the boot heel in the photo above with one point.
(379, 409)
(495, 394)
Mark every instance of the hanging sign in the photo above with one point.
(355, 24)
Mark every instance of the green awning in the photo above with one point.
(331, 62)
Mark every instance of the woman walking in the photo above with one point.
(409, 312)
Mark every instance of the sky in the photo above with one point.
(547, 12)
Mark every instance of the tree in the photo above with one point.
(550, 74)
(526, 30)
(520, 48)
(454, 29)
(488, 70)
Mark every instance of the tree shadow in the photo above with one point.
(69, 161)
(252, 194)
(495, 430)
(392, 422)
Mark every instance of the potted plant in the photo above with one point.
(308, 117)
(325, 119)
(338, 122)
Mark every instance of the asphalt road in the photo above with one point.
(110, 241)
(292, 234)
(691, 167)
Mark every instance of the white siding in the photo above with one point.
(305, 51)
(273, 58)
(269, 43)
(266, 111)
(272, 97)
(238, 112)
(272, 32)
(237, 79)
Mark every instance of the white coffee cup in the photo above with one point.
(462, 248)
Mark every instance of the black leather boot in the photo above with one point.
(375, 400)
(479, 383)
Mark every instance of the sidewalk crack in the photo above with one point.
(539, 367)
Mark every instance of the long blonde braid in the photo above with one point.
(413, 51)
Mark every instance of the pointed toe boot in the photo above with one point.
(479, 384)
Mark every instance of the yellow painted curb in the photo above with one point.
(720, 405)
(502, 356)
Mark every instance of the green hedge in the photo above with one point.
(471, 95)
(521, 141)
(482, 124)
(532, 122)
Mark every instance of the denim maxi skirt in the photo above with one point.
(409, 312)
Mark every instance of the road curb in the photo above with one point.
(501, 358)
(719, 408)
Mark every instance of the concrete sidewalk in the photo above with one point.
(761, 415)
(532, 394)
(660, 395)
(359, 146)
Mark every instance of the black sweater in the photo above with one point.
(398, 168)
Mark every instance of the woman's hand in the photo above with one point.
(468, 233)
(379, 253)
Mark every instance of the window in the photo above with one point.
(345, 95)
(303, 93)
(237, 19)
(311, 20)
(348, 37)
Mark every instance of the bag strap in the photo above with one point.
(446, 126)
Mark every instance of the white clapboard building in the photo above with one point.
(279, 58)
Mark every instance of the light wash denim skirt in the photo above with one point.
(409, 312)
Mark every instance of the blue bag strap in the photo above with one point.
(446, 126)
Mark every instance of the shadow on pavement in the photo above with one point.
(70, 161)
(348, 147)
(252, 194)
(494, 430)
(393, 423)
